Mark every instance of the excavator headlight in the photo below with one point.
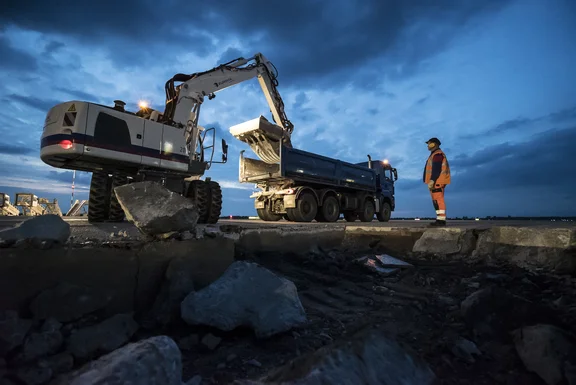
(385, 161)
(66, 144)
(143, 104)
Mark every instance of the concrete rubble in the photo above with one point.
(548, 351)
(246, 295)
(370, 357)
(155, 210)
(445, 241)
(41, 231)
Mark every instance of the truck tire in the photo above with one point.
(385, 212)
(116, 211)
(306, 208)
(367, 213)
(350, 216)
(215, 204)
(266, 215)
(329, 211)
(99, 198)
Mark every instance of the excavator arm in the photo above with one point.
(183, 104)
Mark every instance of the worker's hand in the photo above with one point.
(431, 184)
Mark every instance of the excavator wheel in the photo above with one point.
(116, 211)
(99, 199)
(215, 202)
(199, 191)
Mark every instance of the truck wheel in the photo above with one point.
(368, 210)
(350, 216)
(306, 208)
(199, 192)
(266, 215)
(99, 198)
(329, 211)
(116, 211)
(215, 206)
(385, 212)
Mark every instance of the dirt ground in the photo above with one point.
(420, 306)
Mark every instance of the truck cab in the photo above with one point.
(386, 175)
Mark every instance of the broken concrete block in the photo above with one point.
(103, 337)
(43, 228)
(67, 302)
(47, 342)
(156, 210)
(369, 357)
(547, 351)
(60, 363)
(33, 374)
(246, 295)
(445, 241)
(152, 361)
(13, 330)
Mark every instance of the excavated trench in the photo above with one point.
(85, 284)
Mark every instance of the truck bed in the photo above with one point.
(306, 167)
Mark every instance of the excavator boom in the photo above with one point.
(260, 134)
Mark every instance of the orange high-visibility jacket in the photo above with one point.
(444, 177)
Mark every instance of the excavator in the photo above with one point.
(119, 146)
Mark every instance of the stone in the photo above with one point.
(67, 302)
(445, 241)
(153, 361)
(34, 374)
(246, 295)
(466, 350)
(13, 330)
(156, 210)
(189, 342)
(41, 344)
(103, 337)
(547, 351)
(48, 228)
(196, 380)
(211, 341)
(178, 283)
(366, 358)
(493, 311)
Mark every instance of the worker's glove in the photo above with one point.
(431, 184)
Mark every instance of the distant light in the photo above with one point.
(385, 161)
(230, 216)
(143, 104)
(66, 144)
(477, 219)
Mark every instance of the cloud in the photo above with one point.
(40, 104)
(14, 59)
(14, 150)
(228, 184)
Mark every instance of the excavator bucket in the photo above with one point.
(263, 137)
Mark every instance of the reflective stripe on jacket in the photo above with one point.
(444, 177)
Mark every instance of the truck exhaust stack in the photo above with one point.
(263, 137)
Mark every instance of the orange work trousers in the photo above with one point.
(437, 194)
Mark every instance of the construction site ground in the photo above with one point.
(419, 305)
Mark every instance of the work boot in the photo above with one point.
(438, 223)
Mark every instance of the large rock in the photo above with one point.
(13, 330)
(154, 361)
(67, 302)
(44, 228)
(495, 312)
(547, 351)
(103, 337)
(534, 248)
(246, 295)
(445, 241)
(367, 358)
(156, 210)
(44, 343)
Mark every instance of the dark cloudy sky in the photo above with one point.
(495, 80)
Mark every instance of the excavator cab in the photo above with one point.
(263, 137)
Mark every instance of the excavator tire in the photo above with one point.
(116, 211)
(199, 191)
(99, 199)
(215, 204)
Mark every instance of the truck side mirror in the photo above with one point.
(395, 174)
(224, 151)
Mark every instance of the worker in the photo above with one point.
(437, 177)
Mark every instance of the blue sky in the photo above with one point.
(494, 80)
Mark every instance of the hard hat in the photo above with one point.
(434, 140)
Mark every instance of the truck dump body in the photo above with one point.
(309, 168)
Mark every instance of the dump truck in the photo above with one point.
(6, 208)
(304, 186)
